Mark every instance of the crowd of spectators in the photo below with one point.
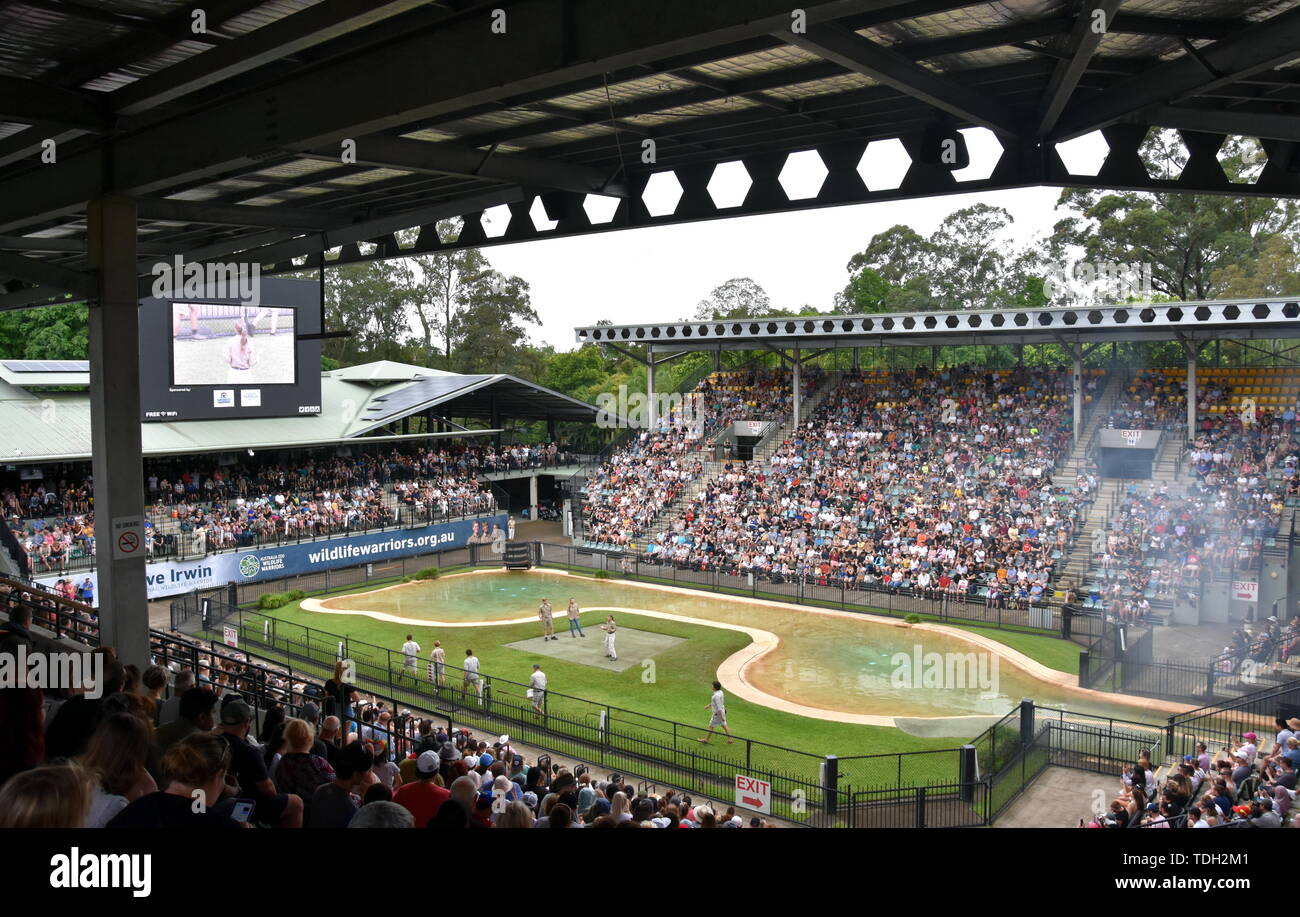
(194, 510)
(1245, 785)
(919, 481)
(641, 479)
(182, 747)
(1151, 401)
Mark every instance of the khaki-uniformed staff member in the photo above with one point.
(548, 621)
(610, 629)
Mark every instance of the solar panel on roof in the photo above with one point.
(431, 389)
(47, 366)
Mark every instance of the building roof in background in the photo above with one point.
(355, 402)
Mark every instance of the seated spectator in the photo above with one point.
(300, 771)
(115, 760)
(334, 804)
(194, 775)
(56, 796)
(196, 713)
(424, 796)
(382, 815)
(281, 810)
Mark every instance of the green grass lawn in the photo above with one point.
(676, 690)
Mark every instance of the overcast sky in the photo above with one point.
(661, 273)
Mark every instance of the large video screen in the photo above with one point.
(215, 344)
(206, 358)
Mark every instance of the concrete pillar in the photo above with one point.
(1191, 391)
(532, 496)
(117, 464)
(794, 381)
(1076, 391)
(857, 361)
(652, 414)
(717, 360)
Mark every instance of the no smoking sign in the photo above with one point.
(128, 537)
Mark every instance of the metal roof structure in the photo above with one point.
(1190, 322)
(358, 404)
(226, 121)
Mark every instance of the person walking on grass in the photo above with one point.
(610, 629)
(437, 663)
(717, 706)
(548, 620)
(537, 687)
(574, 623)
(472, 677)
(410, 656)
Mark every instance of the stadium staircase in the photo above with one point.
(1081, 455)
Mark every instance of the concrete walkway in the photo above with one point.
(1059, 798)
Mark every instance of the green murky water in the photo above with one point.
(852, 665)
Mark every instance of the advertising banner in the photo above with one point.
(174, 577)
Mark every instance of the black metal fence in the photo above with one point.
(1120, 661)
(1046, 618)
(1222, 724)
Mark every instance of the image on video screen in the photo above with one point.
(232, 345)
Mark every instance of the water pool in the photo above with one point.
(836, 662)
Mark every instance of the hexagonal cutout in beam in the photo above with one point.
(1243, 159)
(729, 184)
(537, 213)
(662, 193)
(803, 174)
(985, 154)
(600, 208)
(1163, 154)
(884, 164)
(495, 221)
(1084, 155)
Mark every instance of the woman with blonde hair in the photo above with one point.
(516, 815)
(619, 807)
(298, 771)
(57, 796)
(115, 758)
(194, 773)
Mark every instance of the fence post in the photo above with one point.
(920, 807)
(967, 769)
(1026, 722)
(831, 786)
(1084, 681)
(1169, 737)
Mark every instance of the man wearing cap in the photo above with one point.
(537, 687)
(548, 621)
(283, 810)
(424, 797)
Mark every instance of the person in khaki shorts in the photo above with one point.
(548, 622)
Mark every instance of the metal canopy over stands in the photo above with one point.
(227, 144)
(1077, 329)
